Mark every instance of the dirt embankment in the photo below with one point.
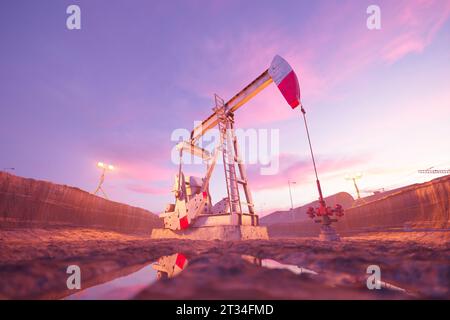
(424, 206)
(421, 206)
(29, 202)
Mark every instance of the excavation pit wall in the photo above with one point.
(32, 203)
(422, 207)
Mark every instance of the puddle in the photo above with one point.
(120, 288)
(391, 287)
(170, 266)
(273, 264)
(126, 287)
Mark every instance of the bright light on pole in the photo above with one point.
(104, 167)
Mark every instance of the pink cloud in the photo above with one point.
(148, 190)
(144, 171)
(300, 169)
(402, 46)
(412, 26)
(340, 52)
(148, 161)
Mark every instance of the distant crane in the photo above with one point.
(354, 178)
(104, 167)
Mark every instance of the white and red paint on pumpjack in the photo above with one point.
(185, 221)
(286, 80)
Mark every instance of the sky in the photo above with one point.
(377, 101)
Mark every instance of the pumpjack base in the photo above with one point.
(224, 233)
(328, 233)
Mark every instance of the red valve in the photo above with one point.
(323, 210)
(339, 210)
(310, 212)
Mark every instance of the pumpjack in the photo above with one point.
(193, 215)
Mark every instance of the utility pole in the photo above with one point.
(290, 193)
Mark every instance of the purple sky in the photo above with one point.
(377, 100)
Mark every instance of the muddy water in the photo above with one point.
(121, 288)
(127, 286)
(130, 285)
(273, 264)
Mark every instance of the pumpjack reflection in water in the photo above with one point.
(273, 264)
(125, 284)
(170, 266)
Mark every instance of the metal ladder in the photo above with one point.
(229, 158)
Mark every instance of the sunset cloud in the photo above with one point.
(148, 190)
(349, 47)
(299, 169)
